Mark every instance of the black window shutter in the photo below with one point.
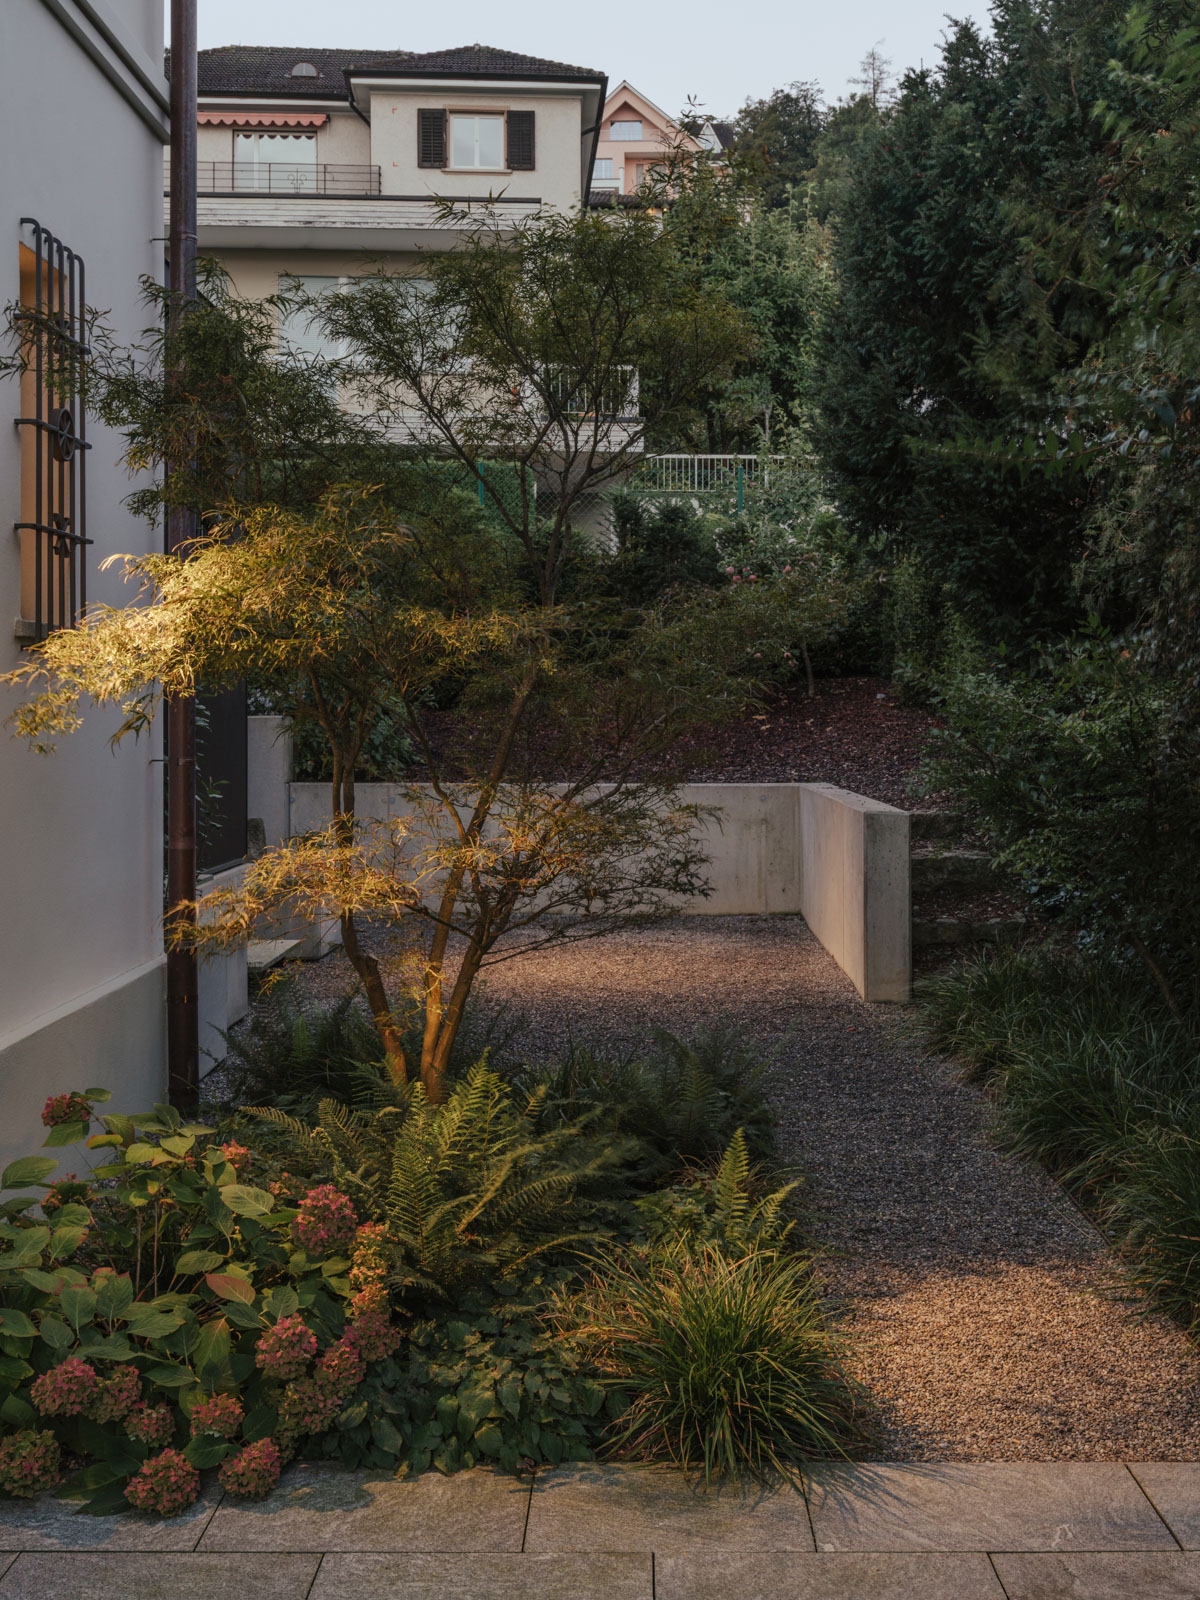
(431, 138)
(520, 141)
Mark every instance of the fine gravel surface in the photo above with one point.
(980, 1304)
(979, 1301)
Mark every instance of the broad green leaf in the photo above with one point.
(177, 1144)
(29, 1251)
(212, 1346)
(113, 1296)
(97, 1095)
(283, 1302)
(97, 1475)
(108, 1501)
(14, 1371)
(104, 1141)
(16, 1324)
(28, 1171)
(16, 1411)
(206, 1451)
(488, 1439)
(260, 1423)
(197, 1261)
(56, 1333)
(139, 1153)
(64, 1133)
(143, 1322)
(246, 1201)
(387, 1436)
(229, 1287)
(168, 1116)
(65, 1242)
(115, 1347)
(78, 1304)
(169, 1375)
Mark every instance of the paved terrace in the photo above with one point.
(1025, 1531)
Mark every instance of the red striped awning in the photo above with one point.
(263, 119)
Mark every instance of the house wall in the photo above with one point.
(558, 125)
(631, 156)
(343, 138)
(81, 992)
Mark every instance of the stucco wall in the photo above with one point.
(81, 862)
(555, 179)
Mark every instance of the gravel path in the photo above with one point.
(978, 1299)
(975, 1290)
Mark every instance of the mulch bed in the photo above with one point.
(854, 733)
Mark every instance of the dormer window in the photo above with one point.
(305, 69)
(627, 129)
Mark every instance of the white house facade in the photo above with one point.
(83, 104)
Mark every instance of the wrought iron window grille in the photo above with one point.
(53, 539)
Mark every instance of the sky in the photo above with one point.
(718, 53)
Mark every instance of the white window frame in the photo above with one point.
(627, 138)
(604, 180)
(477, 165)
(249, 169)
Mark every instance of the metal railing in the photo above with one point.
(615, 396)
(695, 474)
(287, 178)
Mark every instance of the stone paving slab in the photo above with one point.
(1174, 1487)
(1055, 1505)
(485, 1577)
(49, 1524)
(655, 1508)
(799, 1576)
(326, 1508)
(1099, 1577)
(146, 1575)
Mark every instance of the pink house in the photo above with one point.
(634, 135)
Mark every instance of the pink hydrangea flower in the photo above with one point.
(166, 1484)
(236, 1154)
(153, 1425)
(65, 1108)
(305, 1407)
(217, 1413)
(373, 1335)
(284, 1351)
(116, 1396)
(326, 1223)
(342, 1368)
(28, 1462)
(66, 1389)
(254, 1471)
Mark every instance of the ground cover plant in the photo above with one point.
(406, 1284)
(1096, 1077)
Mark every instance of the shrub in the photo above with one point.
(294, 1056)
(466, 1191)
(1096, 1078)
(683, 1099)
(726, 1362)
(124, 1311)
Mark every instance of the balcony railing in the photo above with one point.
(286, 178)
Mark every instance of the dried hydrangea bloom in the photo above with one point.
(305, 1407)
(29, 1462)
(117, 1396)
(254, 1471)
(369, 1264)
(284, 1351)
(341, 1369)
(153, 1425)
(66, 1389)
(236, 1154)
(166, 1484)
(372, 1334)
(217, 1413)
(326, 1223)
(60, 1108)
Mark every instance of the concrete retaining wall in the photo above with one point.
(838, 859)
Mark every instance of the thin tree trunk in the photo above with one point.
(808, 671)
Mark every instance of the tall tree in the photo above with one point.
(776, 138)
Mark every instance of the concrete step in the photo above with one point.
(940, 868)
(923, 825)
(928, 932)
(263, 954)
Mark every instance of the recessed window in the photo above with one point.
(603, 176)
(477, 142)
(300, 331)
(277, 163)
(626, 130)
(305, 69)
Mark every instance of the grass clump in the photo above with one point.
(1096, 1078)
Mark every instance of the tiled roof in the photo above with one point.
(483, 59)
(724, 132)
(267, 69)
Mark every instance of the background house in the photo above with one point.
(309, 158)
(83, 105)
(635, 135)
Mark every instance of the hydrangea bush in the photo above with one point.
(169, 1316)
